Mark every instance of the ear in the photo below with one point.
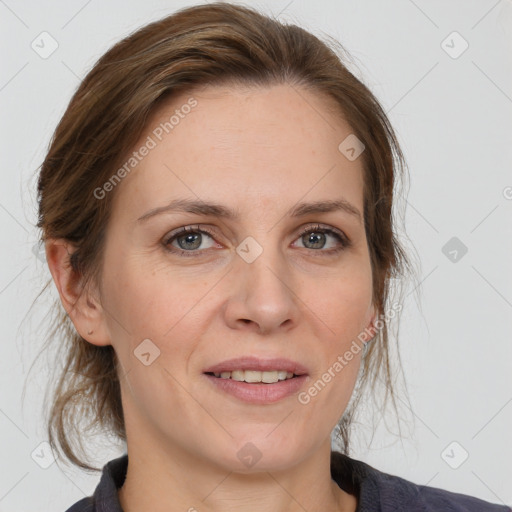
(370, 330)
(83, 308)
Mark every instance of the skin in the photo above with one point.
(258, 150)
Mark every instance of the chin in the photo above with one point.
(257, 454)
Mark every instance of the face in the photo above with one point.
(261, 282)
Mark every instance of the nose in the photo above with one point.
(261, 295)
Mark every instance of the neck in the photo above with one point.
(170, 480)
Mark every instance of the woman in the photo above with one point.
(216, 208)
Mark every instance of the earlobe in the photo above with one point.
(83, 308)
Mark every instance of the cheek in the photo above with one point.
(146, 297)
(343, 303)
(148, 304)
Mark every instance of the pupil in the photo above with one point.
(190, 238)
(316, 239)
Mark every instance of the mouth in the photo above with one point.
(258, 380)
(255, 369)
(257, 392)
(255, 376)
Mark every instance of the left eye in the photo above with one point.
(187, 241)
(316, 237)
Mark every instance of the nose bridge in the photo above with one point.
(263, 264)
(262, 290)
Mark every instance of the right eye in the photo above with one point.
(187, 240)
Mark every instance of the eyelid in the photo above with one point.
(185, 229)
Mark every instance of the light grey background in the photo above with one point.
(453, 117)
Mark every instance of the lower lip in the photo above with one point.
(259, 393)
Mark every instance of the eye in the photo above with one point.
(186, 240)
(317, 237)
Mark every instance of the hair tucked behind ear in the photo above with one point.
(206, 44)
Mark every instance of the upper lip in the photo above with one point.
(258, 364)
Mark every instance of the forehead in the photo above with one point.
(245, 146)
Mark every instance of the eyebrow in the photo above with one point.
(217, 210)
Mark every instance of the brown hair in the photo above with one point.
(211, 44)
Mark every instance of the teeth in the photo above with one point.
(255, 376)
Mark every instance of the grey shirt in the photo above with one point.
(376, 491)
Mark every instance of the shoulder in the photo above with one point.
(383, 492)
(105, 497)
(400, 494)
(84, 505)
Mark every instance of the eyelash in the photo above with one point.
(341, 237)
